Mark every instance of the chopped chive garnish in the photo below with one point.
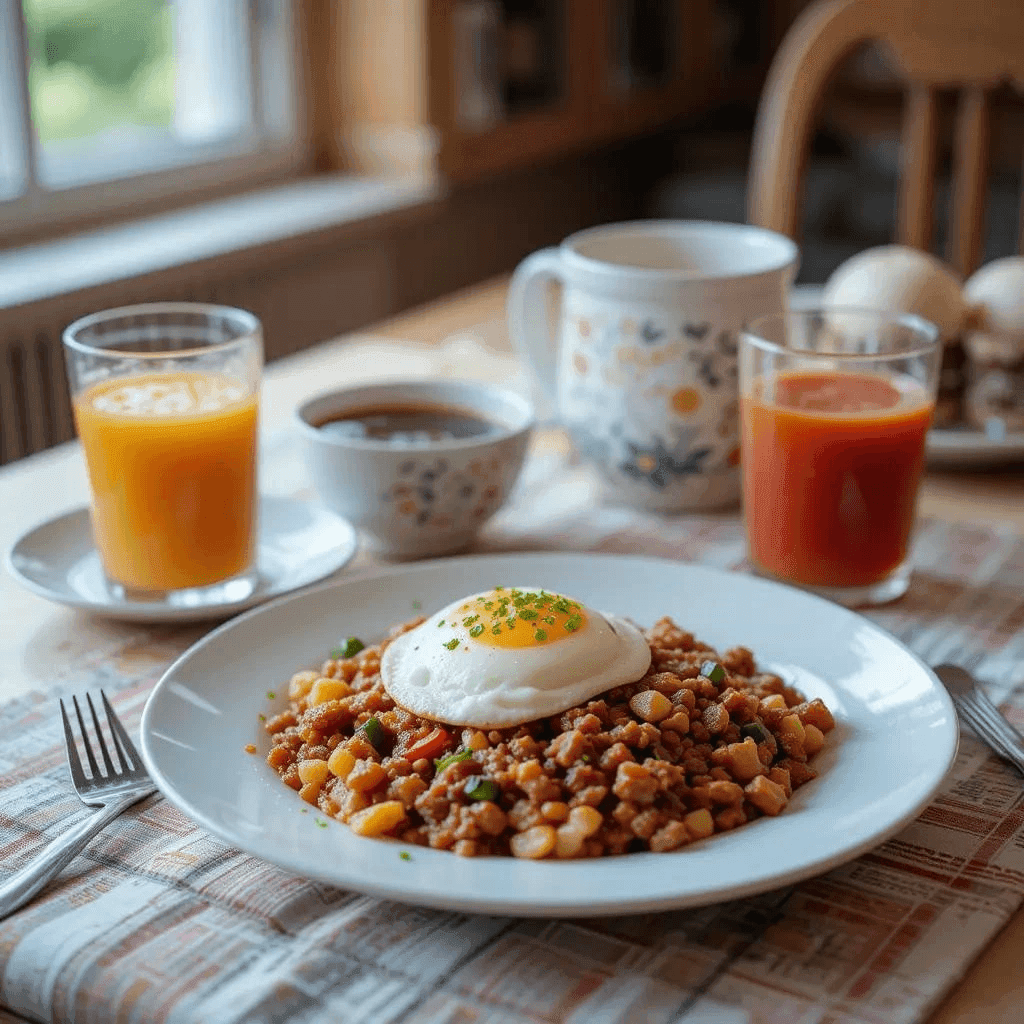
(571, 625)
(713, 671)
(374, 732)
(263, 718)
(585, 758)
(548, 620)
(452, 644)
(271, 695)
(511, 622)
(540, 635)
(416, 606)
(405, 855)
(477, 629)
(478, 788)
(528, 614)
(440, 763)
(440, 624)
(470, 619)
(321, 822)
(349, 649)
(496, 629)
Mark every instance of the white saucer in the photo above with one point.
(299, 543)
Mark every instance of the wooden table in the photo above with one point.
(39, 640)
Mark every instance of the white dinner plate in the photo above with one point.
(895, 739)
(299, 543)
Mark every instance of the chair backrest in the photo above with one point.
(971, 46)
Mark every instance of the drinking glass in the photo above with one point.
(165, 399)
(834, 408)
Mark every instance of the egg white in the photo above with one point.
(495, 687)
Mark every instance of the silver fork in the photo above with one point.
(114, 789)
(982, 715)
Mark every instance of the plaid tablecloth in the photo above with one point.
(160, 922)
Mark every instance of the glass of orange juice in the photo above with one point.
(834, 408)
(165, 400)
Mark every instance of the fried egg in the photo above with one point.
(508, 656)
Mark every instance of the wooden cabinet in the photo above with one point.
(613, 69)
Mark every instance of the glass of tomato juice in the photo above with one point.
(834, 408)
(165, 399)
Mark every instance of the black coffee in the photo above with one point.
(405, 425)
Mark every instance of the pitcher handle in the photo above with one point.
(528, 321)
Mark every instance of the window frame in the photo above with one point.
(208, 171)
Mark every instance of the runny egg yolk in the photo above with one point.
(506, 617)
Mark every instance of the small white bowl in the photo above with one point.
(422, 500)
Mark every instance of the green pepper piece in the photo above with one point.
(754, 731)
(349, 649)
(478, 788)
(374, 732)
(713, 671)
(440, 763)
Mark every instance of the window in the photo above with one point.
(108, 102)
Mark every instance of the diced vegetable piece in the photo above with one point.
(780, 776)
(766, 795)
(744, 760)
(364, 776)
(534, 843)
(325, 689)
(715, 718)
(679, 722)
(430, 746)
(586, 819)
(443, 762)
(313, 770)
(814, 739)
(348, 649)
(377, 819)
(478, 788)
(340, 762)
(301, 683)
(792, 726)
(699, 824)
(374, 732)
(568, 842)
(817, 714)
(713, 671)
(775, 701)
(650, 705)
(755, 731)
(555, 810)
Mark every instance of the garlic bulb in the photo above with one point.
(997, 291)
(900, 279)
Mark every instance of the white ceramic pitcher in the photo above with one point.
(643, 372)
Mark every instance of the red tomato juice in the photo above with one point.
(831, 464)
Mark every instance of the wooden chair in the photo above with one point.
(972, 46)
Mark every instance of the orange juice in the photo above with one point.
(172, 464)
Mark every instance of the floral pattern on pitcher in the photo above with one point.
(650, 401)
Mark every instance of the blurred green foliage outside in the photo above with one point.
(99, 65)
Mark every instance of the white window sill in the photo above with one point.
(45, 270)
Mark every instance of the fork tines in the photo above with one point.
(127, 758)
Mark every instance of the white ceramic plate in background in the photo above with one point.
(299, 543)
(895, 739)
